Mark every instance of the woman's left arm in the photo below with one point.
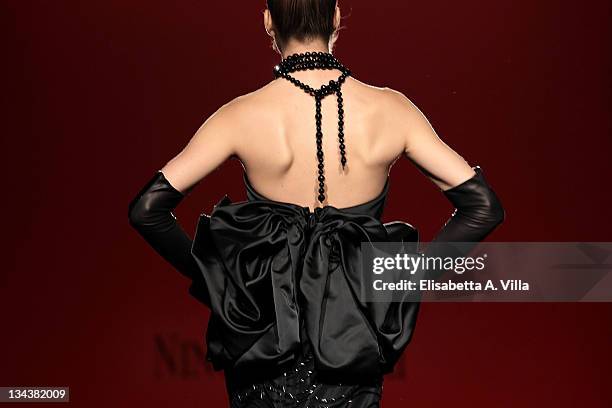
(150, 212)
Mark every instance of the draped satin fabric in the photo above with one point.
(279, 275)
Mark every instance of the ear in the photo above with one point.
(337, 18)
(267, 20)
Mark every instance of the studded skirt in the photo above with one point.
(300, 387)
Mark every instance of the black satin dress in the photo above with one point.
(287, 323)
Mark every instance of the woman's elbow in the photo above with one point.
(138, 213)
(496, 212)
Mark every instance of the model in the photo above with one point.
(281, 271)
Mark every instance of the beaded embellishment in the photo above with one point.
(318, 60)
(298, 387)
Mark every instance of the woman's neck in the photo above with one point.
(297, 47)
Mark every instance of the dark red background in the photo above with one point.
(97, 95)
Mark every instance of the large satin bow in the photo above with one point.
(268, 266)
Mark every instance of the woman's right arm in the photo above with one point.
(478, 210)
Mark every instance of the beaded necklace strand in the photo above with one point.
(310, 61)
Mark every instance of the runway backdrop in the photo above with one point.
(97, 95)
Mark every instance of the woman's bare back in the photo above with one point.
(279, 146)
(272, 132)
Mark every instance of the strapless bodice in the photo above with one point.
(373, 207)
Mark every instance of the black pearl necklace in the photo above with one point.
(318, 60)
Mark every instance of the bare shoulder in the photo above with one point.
(232, 120)
(402, 115)
(371, 93)
(243, 109)
(398, 102)
(236, 107)
(379, 110)
(388, 103)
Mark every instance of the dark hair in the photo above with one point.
(302, 19)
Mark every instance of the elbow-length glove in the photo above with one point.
(478, 211)
(150, 214)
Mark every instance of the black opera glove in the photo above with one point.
(150, 214)
(478, 211)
